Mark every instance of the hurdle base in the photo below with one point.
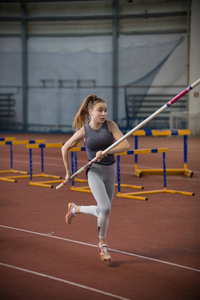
(47, 184)
(8, 179)
(14, 171)
(132, 196)
(178, 192)
(164, 190)
(80, 180)
(186, 172)
(13, 178)
(130, 186)
(84, 189)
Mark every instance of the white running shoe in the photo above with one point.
(103, 252)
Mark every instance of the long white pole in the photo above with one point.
(156, 113)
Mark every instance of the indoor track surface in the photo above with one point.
(154, 244)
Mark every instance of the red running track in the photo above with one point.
(154, 244)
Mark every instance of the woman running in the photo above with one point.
(98, 134)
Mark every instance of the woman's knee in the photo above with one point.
(105, 210)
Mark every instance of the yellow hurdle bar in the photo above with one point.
(27, 142)
(162, 132)
(44, 145)
(176, 132)
(7, 139)
(22, 142)
(143, 151)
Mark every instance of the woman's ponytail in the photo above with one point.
(82, 115)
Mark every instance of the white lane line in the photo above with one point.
(114, 250)
(64, 281)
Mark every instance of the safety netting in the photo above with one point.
(62, 71)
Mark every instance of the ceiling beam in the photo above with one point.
(145, 15)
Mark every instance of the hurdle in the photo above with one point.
(11, 142)
(86, 189)
(136, 195)
(176, 132)
(135, 152)
(2, 143)
(5, 139)
(47, 183)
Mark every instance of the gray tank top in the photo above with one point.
(99, 139)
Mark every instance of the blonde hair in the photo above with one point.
(82, 115)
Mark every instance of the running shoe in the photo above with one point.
(69, 215)
(103, 252)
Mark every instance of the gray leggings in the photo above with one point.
(101, 180)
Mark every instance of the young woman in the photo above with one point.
(98, 134)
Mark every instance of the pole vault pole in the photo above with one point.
(156, 113)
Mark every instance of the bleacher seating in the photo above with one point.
(139, 107)
(6, 105)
